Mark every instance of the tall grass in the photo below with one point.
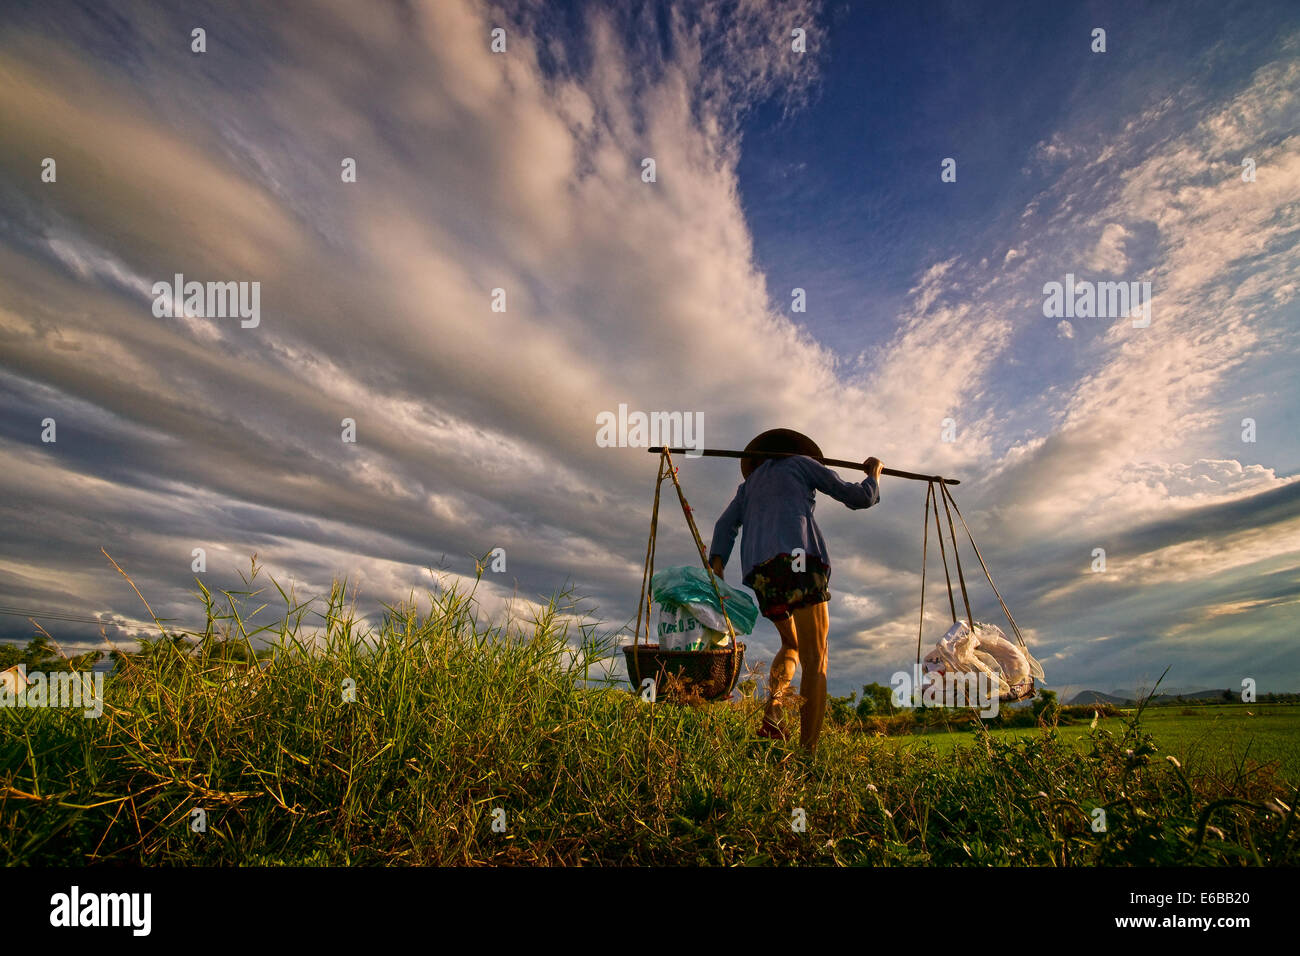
(456, 717)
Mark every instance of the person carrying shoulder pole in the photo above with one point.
(785, 562)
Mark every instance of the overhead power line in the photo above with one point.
(70, 618)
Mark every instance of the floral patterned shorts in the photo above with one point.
(780, 589)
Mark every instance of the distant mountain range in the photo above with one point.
(1124, 698)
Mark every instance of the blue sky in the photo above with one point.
(775, 170)
(846, 191)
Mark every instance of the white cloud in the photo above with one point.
(476, 428)
(1108, 255)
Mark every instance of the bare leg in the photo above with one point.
(782, 673)
(812, 626)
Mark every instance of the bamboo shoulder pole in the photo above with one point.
(834, 462)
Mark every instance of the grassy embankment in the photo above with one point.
(454, 718)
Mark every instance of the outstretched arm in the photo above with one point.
(854, 495)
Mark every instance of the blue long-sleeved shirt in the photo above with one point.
(775, 504)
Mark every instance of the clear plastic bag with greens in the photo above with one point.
(689, 588)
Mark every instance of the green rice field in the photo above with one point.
(1221, 741)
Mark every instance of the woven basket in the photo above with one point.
(711, 673)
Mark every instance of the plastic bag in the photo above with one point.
(985, 650)
(1016, 664)
(680, 630)
(689, 588)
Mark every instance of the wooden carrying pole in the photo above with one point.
(834, 462)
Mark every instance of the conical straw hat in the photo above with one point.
(778, 439)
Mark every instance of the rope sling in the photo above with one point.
(713, 672)
(1020, 691)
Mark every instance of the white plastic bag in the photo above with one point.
(1014, 661)
(680, 630)
(710, 618)
(982, 650)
